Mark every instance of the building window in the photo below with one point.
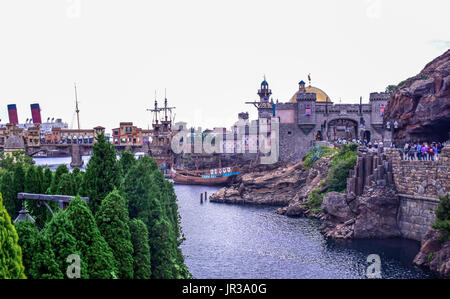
(308, 110)
(382, 106)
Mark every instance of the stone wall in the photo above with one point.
(419, 184)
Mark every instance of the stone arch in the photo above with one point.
(343, 118)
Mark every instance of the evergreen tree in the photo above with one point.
(12, 204)
(126, 161)
(31, 183)
(60, 170)
(94, 251)
(77, 178)
(10, 252)
(60, 232)
(47, 180)
(37, 210)
(102, 173)
(112, 220)
(19, 178)
(141, 249)
(40, 178)
(163, 250)
(66, 185)
(38, 256)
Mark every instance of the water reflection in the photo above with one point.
(229, 241)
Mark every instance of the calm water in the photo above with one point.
(233, 241)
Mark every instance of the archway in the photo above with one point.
(344, 128)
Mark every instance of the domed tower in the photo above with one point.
(264, 93)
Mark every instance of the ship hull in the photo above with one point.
(186, 179)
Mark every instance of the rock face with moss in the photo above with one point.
(421, 104)
(435, 250)
(434, 254)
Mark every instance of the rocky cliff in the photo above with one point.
(421, 104)
(434, 254)
(370, 215)
(282, 185)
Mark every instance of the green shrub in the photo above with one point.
(341, 164)
(314, 202)
(442, 222)
(315, 154)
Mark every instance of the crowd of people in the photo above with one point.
(371, 145)
(422, 151)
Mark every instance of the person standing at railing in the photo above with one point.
(419, 152)
(412, 152)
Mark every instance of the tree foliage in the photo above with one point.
(38, 256)
(93, 249)
(141, 249)
(60, 232)
(112, 220)
(11, 266)
(102, 173)
(442, 221)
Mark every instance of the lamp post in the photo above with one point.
(392, 126)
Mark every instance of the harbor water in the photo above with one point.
(236, 241)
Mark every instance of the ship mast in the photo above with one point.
(76, 106)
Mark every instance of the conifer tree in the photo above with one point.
(163, 250)
(112, 220)
(77, 178)
(10, 252)
(38, 256)
(66, 185)
(31, 183)
(19, 178)
(93, 249)
(102, 173)
(60, 232)
(126, 161)
(60, 170)
(47, 180)
(141, 249)
(11, 202)
(40, 178)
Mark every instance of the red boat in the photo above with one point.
(211, 177)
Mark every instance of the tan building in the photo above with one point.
(127, 134)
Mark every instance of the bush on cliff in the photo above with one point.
(442, 222)
(315, 154)
(314, 201)
(341, 164)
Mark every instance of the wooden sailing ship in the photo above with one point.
(211, 177)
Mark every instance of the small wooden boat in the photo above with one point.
(211, 177)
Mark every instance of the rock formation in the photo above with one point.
(369, 207)
(371, 215)
(434, 254)
(269, 185)
(421, 104)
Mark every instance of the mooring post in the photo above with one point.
(201, 197)
(206, 196)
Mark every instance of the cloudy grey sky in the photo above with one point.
(210, 55)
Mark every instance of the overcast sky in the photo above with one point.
(210, 55)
